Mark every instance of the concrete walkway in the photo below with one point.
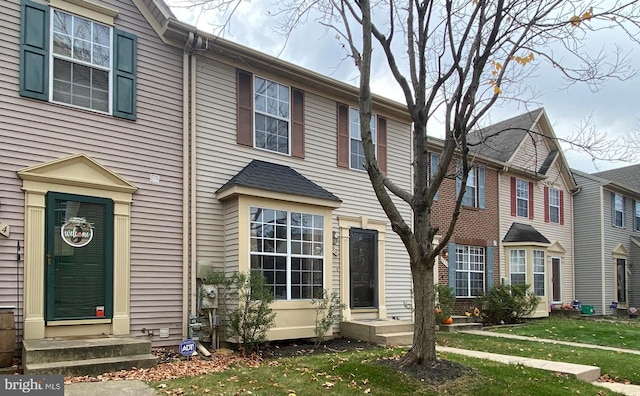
(109, 388)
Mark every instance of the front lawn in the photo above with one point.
(350, 373)
(614, 333)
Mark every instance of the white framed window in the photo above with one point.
(272, 115)
(470, 197)
(288, 249)
(554, 205)
(517, 266)
(356, 148)
(636, 215)
(522, 198)
(470, 269)
(618, 210)
(538, 273)
(81, 62)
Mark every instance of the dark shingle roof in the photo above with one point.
(502, 139)
(279, 178)
(519, 232)
(548, 161)
(628, 176)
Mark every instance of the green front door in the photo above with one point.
(78, 257)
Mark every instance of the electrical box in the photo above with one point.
(209, 297)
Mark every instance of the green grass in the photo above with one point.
(622, 365)
(620, 334)
(352, 373)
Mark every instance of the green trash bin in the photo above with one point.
(588, 310)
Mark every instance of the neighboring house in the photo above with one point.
(535, 213)
(607, 239)
(92, 169)
(470, 264)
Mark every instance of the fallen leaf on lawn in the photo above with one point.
(368, 390)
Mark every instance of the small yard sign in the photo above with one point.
(187, 347)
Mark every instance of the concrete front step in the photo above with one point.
(394, 339)
(91, 366)
(370, 330)
(54, 350)
(86, 356)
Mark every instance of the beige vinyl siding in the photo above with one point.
(531, 156)
(219, 158)
(588, 241)
(35, 131)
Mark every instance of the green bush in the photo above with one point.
(253, 317)
(327, 309)
(445, 299)
(506, 304)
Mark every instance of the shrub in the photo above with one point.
(506, 304)
(253, 317)
(445, 299)
(327, 309)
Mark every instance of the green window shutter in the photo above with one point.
(481, 192)
(452, 265)
(124, 74)
(489, 268)
(34, 50)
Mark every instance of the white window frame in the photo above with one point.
(316, 244)
(522, 195)
(265, 113)
(517, 265)
(471, 189)
(470, 260)
(636, 216)
(539, 285)
(355, 136)
(554, 205)
(616, 211)
(53, 56)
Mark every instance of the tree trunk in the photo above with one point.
(423, 350)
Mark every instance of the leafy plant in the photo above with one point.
(327, 309)
(445, 299)
(253, 317)
(507, 303)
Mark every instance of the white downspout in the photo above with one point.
(185, 187)
(192, 198)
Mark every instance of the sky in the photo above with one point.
(613, 109)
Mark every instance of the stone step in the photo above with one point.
(91, 366)
(394, 339)
(367, 330)
(452, 328)
(48, 350)
(464, 319)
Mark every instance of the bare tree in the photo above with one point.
(455, 60)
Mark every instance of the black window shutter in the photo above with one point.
(34, 50)
(124, 74)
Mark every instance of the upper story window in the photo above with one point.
(356, 148)
(618, 209)
(271, 115)
(77, 61)
(474, 193)
(636, 215)
(554, 205)
(434, 160)
(350, 151)
(522, 198)
(81, 62)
